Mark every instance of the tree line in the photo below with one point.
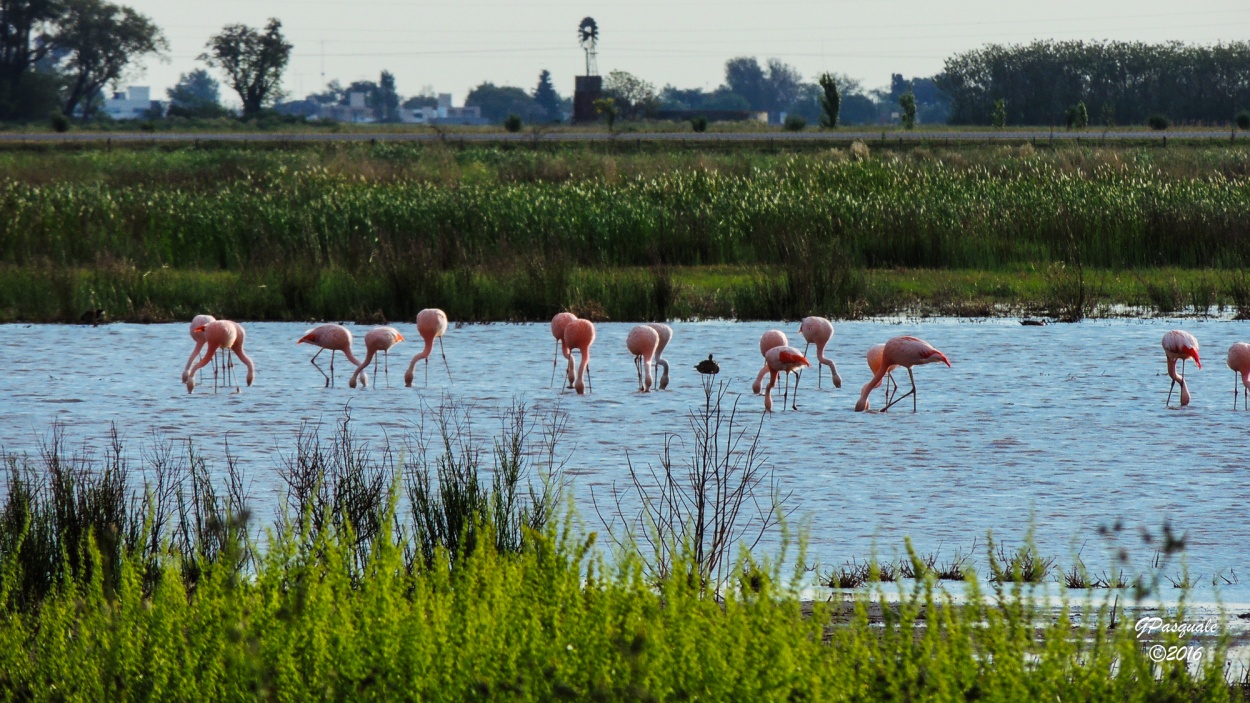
(1116, 82)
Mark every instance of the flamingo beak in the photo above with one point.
(1193, 354)
(944, 359)
(400, 338)
(201, 329)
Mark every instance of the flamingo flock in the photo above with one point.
(647, 343)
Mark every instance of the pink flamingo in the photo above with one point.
(818, 331)
(197, 335)
(769, 340)
(1239, 361)
(666, 334)
(336, 338)
(780, 359)
(875, 353)
(222, 334)
(558, 323)
(431, 324)
(579, 335)
(905, 352)
(1181, 345)
(642, 342)
(378, 339)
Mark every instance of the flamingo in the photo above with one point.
(642, 342)
(1239, 361)
(579, 335)
(197, 335)
(874, 362)
(431, 324)
(1181, 345)
(768, 340)
(818, 331)
(222, 334)
(905, 352)
(336, 338)
(666, 334)
(558, 323)
(378, 339)
(780, 359)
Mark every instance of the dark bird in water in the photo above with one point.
(707, 366)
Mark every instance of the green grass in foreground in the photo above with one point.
(169, 597)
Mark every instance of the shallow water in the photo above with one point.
(1062, 425)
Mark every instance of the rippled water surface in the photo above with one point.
(1064, 423)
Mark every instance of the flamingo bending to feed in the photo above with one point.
(1239, 361)
(787, 359)
(642, 342)
(579, 335)
(768, 340)
(431, 324)
(905, 352)
(222, 334)
(336, 338)
(378, 339)
(1180, 345)
(666, 334)
(558, 323)
(874, 362)
(818, 331)
(197, 335)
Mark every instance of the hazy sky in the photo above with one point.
(455, 45)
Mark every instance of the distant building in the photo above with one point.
(586, 90)
(354, 111)
(135, 103)
(444, 114)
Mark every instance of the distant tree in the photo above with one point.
(253, 62)
(1077, 117)
(386, 104)
(633, 96)
(497, 102)
(999, 116)
(674, 98)
(607, 108)
(547, 98)
(99, 39)
(724, 98)
(1108, 115)
(332, 95)
(907, 104)
(773, 90)
(25, 27)
(195, 95)
(417, 101)
(830, 101)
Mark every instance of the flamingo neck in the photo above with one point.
(425, 351)
(862, 404)
(1172, 371)
(247, 361)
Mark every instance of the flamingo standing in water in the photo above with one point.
(336, 338)
(666, 333)
(558, 323)
(780, 359)
(875, 353)
(642, 342)
(905, 352)
(1239, 361)
(769, 340)
(1180, 345)
(221, 334)
(431, 324)
(378, 339)
(197, 335)
(818, 331)
(579, 335)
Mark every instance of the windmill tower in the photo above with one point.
(588, 88)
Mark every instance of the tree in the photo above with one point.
(633, 96)
(386, 105)
(25, 28)
(99, 40)
(497, 102)
(607, 108)
(999, 116)
(195, 95)
(773, 90)
(253, 62)
(907, 102)
(830, 101)
(547, 98)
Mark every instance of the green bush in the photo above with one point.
(1158, 121)
(698, 124)
(1243, 119)
(59, 122)
(513, 123)
(795, 123)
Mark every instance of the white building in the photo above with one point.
(444, 113)
(131, 105)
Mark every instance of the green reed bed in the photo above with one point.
(479, 593)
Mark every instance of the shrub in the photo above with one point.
(999, 116)
(513, 123)
(60, 123)
(795, 123)
(1243, 119)
(907, 101)
(1158, 121)
(698, 124)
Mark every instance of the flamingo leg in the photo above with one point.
(818, 375)
(897, 398)
(799, 377)
(386, 368)
(589, 386)
(1234, 390)
(444, 355)
(1168, 402)
(313, 361)
(555, 361)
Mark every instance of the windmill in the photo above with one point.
(588, 35)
